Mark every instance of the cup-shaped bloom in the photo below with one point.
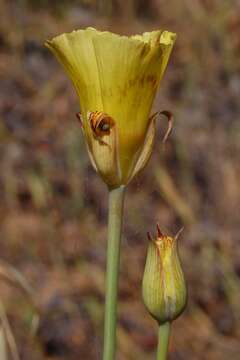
(116, 78)
(163, 288)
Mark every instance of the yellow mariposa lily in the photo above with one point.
(116, 78)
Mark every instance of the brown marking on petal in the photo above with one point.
(154, 83)
(152, 79)
(101, 125)
(123, 91)
(149, 79)
(132, 82)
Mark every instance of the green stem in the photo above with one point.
(116, 197)
(163, 340)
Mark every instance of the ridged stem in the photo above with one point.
(116, 198)
(163, 341)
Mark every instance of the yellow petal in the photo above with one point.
(145, 152)
(130, 71)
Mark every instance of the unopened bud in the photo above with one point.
(164, 288)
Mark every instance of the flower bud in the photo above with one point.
(163, 288)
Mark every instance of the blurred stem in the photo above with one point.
(163, 340)
(116, 197)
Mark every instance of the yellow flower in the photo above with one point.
(164, 288)
(116, 78)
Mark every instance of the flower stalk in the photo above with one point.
(116, 199)
(163, 341)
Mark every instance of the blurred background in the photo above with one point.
(53, 208)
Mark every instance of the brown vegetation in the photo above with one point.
(53, 207)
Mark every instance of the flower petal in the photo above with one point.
(129, 72)
(103, 152)
(146, 150)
